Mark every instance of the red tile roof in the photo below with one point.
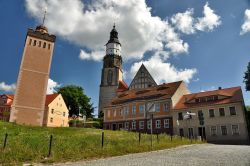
(229, 95)
(157, 92)
(50, 98)
(122, 86)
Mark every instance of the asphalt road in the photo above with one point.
(193, 155)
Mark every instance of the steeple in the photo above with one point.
(41, 28)
(114, 36)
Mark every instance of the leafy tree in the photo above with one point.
(76, 100)
(247, 77)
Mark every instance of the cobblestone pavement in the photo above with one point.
(193, 155)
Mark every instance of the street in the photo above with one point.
(193, 155)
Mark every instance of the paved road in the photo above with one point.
(194, 155)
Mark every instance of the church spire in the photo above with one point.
(114, 36)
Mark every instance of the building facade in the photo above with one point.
(29, 101)
(223, 112)
(55, 113)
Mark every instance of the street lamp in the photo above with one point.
(188, 116)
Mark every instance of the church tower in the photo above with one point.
(111, 71)
(29, 100)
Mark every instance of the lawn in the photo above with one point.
(27, 144)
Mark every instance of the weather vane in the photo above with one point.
(44, 16)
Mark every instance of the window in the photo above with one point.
(235, 130)
(166, 123)
(52, 111)
(63, 113)
(213, 131)
(222, 111)
(108, 113)
(211, 113)
(181, 132)
(166, 107)
(44, 45)
(51, 120)
(114, 113)
(34, 44)
(224, 130)
(157, 107)
(126, 125)
(180, 116)
(30, 42)
(215, 97)
(197, 100)
(158, 124)
(141, 108)
(49, 46)
(141, 124)
(149, 124)
(39, 44)
(190, 132)
(134, 109)
(125, 110)
(110, 76)
(134, 125)
(203, 99)
(120, 112)
(210, 98)
(232, 110)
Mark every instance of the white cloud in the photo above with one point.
(88, 25)
(245, 27)
(187, 24)
(209, 21)
(184, 22)
(163, 71)
(95, 55)
(52, 85)
(7, 88)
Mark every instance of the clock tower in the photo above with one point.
(111, 71)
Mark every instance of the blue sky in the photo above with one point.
(205, 54)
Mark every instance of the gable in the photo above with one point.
(142, 79)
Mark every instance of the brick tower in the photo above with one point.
(29, 100)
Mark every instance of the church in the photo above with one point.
(144, 106)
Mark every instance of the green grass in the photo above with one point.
(28, 144)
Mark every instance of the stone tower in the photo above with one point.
(111, 71)
(29, 100)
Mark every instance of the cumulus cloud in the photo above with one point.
(245, 27)
(52, 85)
(187, 24)
(163, 71)
(89, 24)
(209, 21)
(95, 55)
(7, 88)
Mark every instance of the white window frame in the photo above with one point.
(134, 125)
(141, 111)
(157, 107)
(166, 123)
(125, 110)
(238, 127)
(215, 131)
(158, 124)
(165, 107)
(149, 124)
(126, 125)
(141, 124)
(133, 109)
(226, 130)
(224, 111)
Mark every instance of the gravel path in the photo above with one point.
(194, 155)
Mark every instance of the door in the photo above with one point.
(181, 132)
(114, 126)
(202, 132)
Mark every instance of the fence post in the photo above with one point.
(50, 145)
(139, 137)
(102, 139)
(5, 141)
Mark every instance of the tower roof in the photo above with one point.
(114, 36)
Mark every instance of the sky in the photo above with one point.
(204, 43)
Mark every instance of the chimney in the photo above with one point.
(219, 88)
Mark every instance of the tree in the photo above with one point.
(247, 77)
(76, 100)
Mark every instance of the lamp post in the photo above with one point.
(188, 116)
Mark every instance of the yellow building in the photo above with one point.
(55, 113)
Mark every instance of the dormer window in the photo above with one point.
(215, 97)
(203, 99)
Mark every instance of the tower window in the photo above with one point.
(34, 44)
(49, 46)
(44, 45)
(40, 44)
(110, 76)
(30, 42)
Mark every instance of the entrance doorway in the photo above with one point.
(114, 126)
(120, 126)
(202, 132)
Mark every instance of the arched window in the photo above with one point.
(44, 45)
(110, 76)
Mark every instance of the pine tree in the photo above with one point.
(247, 77)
